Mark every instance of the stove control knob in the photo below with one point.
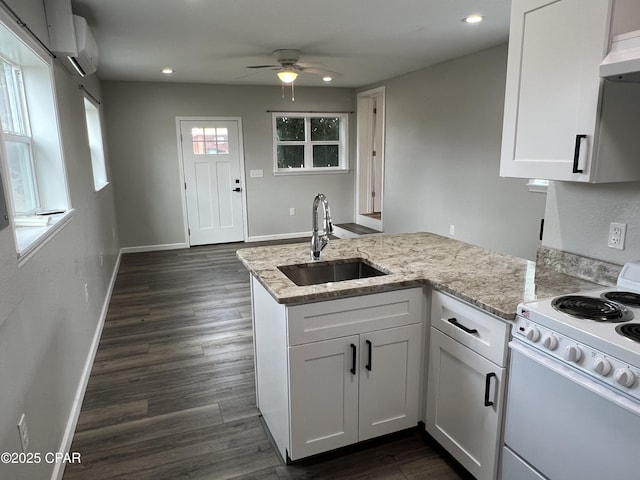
(532, 333)
(550, 342)
(602, 366)
(573, 354)
(625, 377)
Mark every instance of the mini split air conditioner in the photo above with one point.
(70, 38)
(85, 61)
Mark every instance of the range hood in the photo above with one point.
(622, 63)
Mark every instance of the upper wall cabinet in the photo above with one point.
(561, 120)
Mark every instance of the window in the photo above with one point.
(31, 152)
(210, 140)
(94, 131)
(17, 139)
(310, 143)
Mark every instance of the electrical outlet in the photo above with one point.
(452, 229)
(292, 211)
(101, 259)
(86, 293)
(617, 233)
(24, 432)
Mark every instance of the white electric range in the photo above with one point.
(573, 408)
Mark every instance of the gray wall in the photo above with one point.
(443, 135)
(141, 125)
(46, 327)
(578, 217)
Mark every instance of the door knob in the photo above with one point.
(237, 189)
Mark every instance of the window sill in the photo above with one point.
(100, 187)
(297, 171)
(30, 239)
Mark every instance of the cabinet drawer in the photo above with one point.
(348, 316)
(480, 331)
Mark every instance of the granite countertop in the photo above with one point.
(492, 281)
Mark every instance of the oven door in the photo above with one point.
(562, 425)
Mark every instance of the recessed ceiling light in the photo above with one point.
(327, 79)
(473, 19)
(168, 71)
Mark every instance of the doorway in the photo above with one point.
(212, 162)
(370, 157)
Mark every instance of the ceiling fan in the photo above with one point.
(289, 68)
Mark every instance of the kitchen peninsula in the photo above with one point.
(342, 362)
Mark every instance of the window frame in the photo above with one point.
(308, 144)
(95, 140)
(40, 112)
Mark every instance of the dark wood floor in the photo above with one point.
(172, 394)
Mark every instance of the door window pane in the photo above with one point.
(210, 141)
(290, 129)
(325, 156)
(325, 129)
(22, 178)
(290, 156)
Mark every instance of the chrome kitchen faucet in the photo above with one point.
(319, 242)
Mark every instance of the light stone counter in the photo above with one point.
(492, 281)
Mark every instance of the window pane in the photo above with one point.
(197, 138)
(290, 129)
(290, 156)
(23, 185)
(12, 107)
(94, 131)
(325, 156)
(216, 141)
(325, 129)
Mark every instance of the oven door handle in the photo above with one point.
(570, 374)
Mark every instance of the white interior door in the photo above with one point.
(212, 161)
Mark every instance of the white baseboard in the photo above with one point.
(369, 222)
(72, 421)
(280, 236)
(153, 248)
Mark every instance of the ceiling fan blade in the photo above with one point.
(263, 66)
(321, 71)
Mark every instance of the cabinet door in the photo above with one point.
(460, 383)
(553, 87)
(323, 396)
(389, 380)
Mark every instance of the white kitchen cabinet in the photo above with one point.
(323, 396)
(465, 390)
(332, 373)
(561, 120)
(353, 388)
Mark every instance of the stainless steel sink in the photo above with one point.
(316, 273)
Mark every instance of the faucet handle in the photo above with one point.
(328, 226)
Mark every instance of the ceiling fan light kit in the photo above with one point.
(288, 68)
(287, 75)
